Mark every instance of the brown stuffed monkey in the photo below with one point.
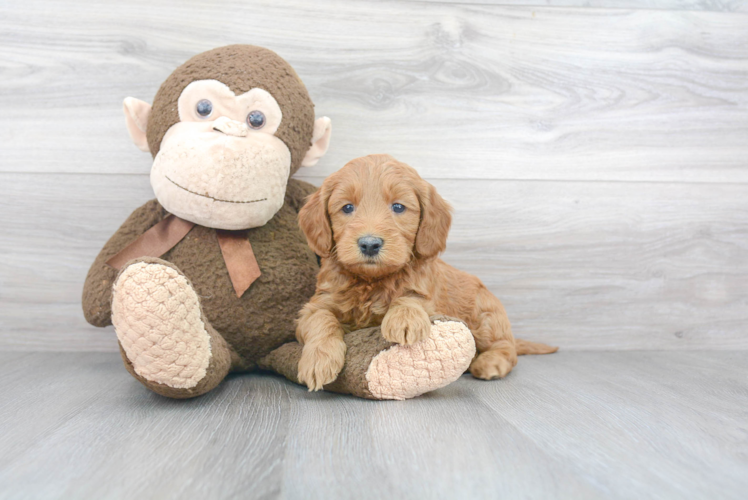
(209, 277)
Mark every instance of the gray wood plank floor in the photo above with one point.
(572, 425)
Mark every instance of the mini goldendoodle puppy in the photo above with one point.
(378, 227)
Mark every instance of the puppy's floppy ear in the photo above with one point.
(436, 218)
(314, 222)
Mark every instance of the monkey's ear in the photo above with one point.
(315, 224)
(320, 142)
(136, 118)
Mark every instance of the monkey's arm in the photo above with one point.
(297, 191)
(97, 290)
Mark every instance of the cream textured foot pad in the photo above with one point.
(156, 315)
(407, 371)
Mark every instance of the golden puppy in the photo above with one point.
(378, 227)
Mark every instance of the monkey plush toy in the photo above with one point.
(209, 277)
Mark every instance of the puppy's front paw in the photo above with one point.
(321, 363)
(406, 325)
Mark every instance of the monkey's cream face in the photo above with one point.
(221, 165)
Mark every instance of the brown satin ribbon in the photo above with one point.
(239, 258)
(155, 242)
(235, 247)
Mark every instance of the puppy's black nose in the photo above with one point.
(370, 245)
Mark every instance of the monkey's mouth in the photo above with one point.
(211, 197)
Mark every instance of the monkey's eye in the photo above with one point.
(347, 209)
(398, 208)
(204, 108)
(256, 119)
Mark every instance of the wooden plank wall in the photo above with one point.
(597, 157)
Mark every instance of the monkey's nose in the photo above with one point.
(370, 245)
(230, 127)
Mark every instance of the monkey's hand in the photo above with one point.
(406, 322)
(321, 362)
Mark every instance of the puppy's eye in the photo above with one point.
(347, 208)
(204, 108)
(398, 208)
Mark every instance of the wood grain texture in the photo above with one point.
(478, 91)
(583, 265)
(107, 436)
(707, 5)
(596, 156)
(570, 425)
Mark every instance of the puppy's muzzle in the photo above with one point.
(370, 245)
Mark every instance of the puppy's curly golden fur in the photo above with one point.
(402, 283)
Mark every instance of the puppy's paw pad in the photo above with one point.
(407, 371)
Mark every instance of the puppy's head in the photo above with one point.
(374, 216)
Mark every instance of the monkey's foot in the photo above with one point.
(377, 369)
(407, 371)
(165, 339)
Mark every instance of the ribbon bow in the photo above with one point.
(235, 247)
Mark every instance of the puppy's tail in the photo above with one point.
(527, 347)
